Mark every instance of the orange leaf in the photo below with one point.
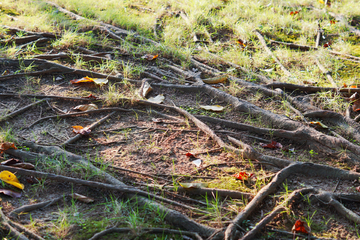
(5, 146)
(332, 22)
(241, 42)
(81, 130)
(301, 227)
(82, 80)
(345, 86)
(150, 57)
(353, 86)
(294, 13)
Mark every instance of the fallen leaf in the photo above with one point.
(217, 79)
(267, 70)
(5, 146)
(145, 89)
(81, 130)
(319, 125)
(354, 97)
(242, 43)
(82, 198)
(157, 120)
(328, 44)
(86, 107)
(32, 180)
(194, 185)
(273, 145)
(243, 175)
(24, 165)
(353, 86)
(91, 97)
(332, 22)
(189, 154)
(358, 188)
(99, 81)
(294, 13)
(345, 86)
(6, 72)
(158, 99)
(197, 162)
(301, 227)
(10, 193)
(10, 178)
(150, 57)
(10, 162)
(215, 108)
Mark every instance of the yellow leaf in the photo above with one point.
(215, 108)
(319, 124)
(10, 178)
(218, 79)
(321, 1)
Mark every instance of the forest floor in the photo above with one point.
(207, 120)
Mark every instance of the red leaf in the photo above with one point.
(189, 154)
(294, 13)
(332, 22)
(243, 175)
(301, 227)
(273, 145)
(91, 97)
(328, 44)
(10, 193)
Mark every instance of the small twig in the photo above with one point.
(91, 127)
(327, 73)
(318, 37)
(44, 96)
(336, 186)
(21, 110)
(80, 113)
(263, 43)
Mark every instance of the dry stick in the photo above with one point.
(260, 225)
(91, 127)
(31, 207)
(42, 34)
(308, 48)
(327, 73)
(21, 110)
(80, 113)
(263, 43)
(14, 76)
(70, 56)
(310, 89)
(45, 96)
(318, 37)
(144, 231)
(99, 185)
(19, 40)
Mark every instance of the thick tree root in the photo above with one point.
(173, 217)
(145, 231)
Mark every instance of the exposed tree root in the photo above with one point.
(173, 217)
(282, 207)
(21, 110)
(79, 113)
(13, 228)
(41, 34)
(45, 96)
(145, 231)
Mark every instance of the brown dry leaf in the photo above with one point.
(145, 89)
(5, 146)
(214, 80)
(24, 165)
(82, 198)
(86, 107)
(81, 130)
(150, 57)
(215, 108)
(10, 193)
(10, 162)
